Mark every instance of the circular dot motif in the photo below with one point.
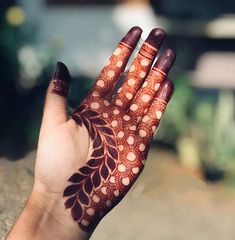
(117, 51)
(131, 156)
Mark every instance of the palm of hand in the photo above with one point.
(117, 158)
(108, 137)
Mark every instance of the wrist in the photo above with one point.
(44, 217)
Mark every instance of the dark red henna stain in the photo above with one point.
(140, 67)
(120, 143)
(144, 97)
(157, 108)
(132, 37)
(60, 88)
(111, 73)
(152, 43)
(70, 202)
(98, 168)
(156, 37)
(76, 211)
(90, 195)
(71, 189)
(76, 178)
(165, 61)
(99, 185)
(61, 79)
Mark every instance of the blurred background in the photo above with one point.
(187, 190)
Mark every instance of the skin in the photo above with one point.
(88, 161)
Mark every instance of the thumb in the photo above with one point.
(55, 109)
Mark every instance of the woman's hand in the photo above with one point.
(87, 162)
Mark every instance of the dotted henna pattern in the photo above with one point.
(120, 128)
(118, 156)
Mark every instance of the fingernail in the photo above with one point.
(165, 90)
(165, 61)
(61, 73)
(156, 37)
(132, 37)
(61, 79)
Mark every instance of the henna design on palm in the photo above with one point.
(120, 127)
(101, 164)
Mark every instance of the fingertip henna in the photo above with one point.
(140, 68)
(112, 72)
(165, 61)
(61, 79)
(132, 37)
(152, 43)
(156, 37)
(154, 83)
(61, 72)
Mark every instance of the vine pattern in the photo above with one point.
(103, 161)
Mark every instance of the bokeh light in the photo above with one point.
(15, 16)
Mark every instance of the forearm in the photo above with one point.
(41, 218)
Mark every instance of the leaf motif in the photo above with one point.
(102, 162)
(87, 124)
(76, 211)
(88, 186)
(96, 179)
(104, 171)
(83, 197)
(106, 130)
(80, 108)
(113, 152)
(85, 170)
(70, 202)
(76, 178)
(71, 189)
(90, 128)
(77, 119)
(92, 133)
(110, 140)
(98, 121)
(94, 162)
(90, 114)
(111, 163)
(99, 152)
(97, 142)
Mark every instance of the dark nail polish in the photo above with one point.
(61, 73)
(165, 61)
(132, 37)
(156, 37)
(165, 91)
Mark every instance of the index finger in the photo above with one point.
(111, 73)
